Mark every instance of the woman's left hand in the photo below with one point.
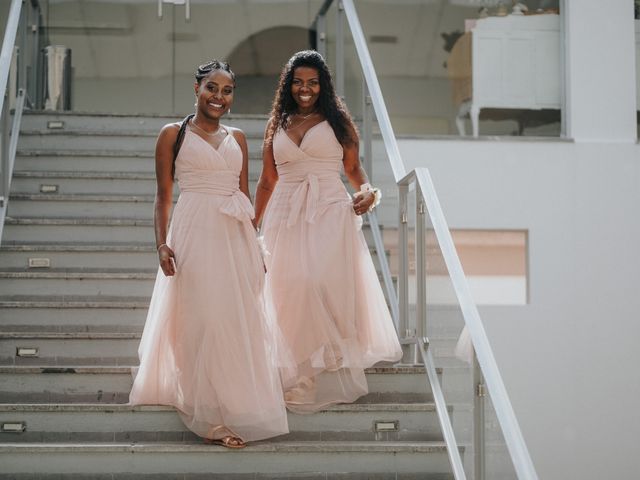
(362, 202)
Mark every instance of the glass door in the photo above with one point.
(122, 53)
(139, 56)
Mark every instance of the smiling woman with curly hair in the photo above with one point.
(320, 275)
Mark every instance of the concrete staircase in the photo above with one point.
(77, 266)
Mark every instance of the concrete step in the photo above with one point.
(112, 384)
(88, 229)
(107, 160)
(55, 423)
(47, 313)
(24, 229)
(107, 122)
(98, 182)
(69, 348)
(80, 205)
(131, 141)
(84, 255)
(67, 282)
(139, 255)
(64, 347)
(272, 459)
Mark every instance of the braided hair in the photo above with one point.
(205, 70)
(329, 104)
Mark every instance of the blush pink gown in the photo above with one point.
(210, 346)
(325, 289)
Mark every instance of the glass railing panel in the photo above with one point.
(454, 359)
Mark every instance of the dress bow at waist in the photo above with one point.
(223, 183)
(238, 206)
(306, 193)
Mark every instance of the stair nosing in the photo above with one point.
(125, 408)
(91, 220)
(78, 247)
(126, 369)
(264, 446)
(82, 197)
(69, 335)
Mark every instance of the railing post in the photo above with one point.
(479, 450)
(32, 87)
(403, 280)
(367, 130)
(321, 34)
(4, 149)
(421, 273)
(339, 73)
(22, 58)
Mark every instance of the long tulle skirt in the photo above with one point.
(210, 346)
(327, 296)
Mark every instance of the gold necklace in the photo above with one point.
(209, 134)
(304, 119)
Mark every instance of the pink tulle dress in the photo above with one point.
(324, 286)
(210, 346)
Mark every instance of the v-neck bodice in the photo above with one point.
(308, 175)
(202, 168)
(319, 153)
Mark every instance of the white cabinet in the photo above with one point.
(515, 64)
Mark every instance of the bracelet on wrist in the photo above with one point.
(160, 246)
(377, 194)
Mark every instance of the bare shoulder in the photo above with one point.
(169, 133)
(237, 134)
(270, 123)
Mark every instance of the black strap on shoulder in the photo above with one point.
(179, 139)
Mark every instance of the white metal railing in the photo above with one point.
(485, 369)
(15, 56)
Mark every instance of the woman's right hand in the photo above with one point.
(167, 260)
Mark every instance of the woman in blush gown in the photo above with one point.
(325, 289)
(209, 346)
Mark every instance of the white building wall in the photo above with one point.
(570, 357)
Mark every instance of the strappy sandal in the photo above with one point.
(303, 393)
(228, 442)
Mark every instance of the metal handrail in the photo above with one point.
(502, 405)
(9, 137)
(427, 202)
(10, 35)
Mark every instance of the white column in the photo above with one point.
(600, 70)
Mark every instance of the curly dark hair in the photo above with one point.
(205, 69)
(329, 104)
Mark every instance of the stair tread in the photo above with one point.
(70, 335)
(80, 132)
(91, 174)
(73, 301)
(169, 116)
(101, 152)
(79, 273)
(115, 369)
(264, 446)
(123, 407)
(84, 197)
(39, 152)
(127, 222)
(78, 246)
